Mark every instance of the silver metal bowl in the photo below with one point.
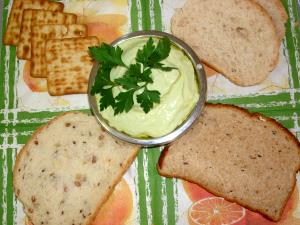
(181, 129)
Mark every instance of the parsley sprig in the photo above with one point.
(137, 76)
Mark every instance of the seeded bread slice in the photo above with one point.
(68, 169)
(245, 158)
(240, 42)
(278, 14)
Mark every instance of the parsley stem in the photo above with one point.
(124, 65)
(143, 86)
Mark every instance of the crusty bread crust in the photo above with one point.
(282, 10)
(24, 150)
(116, 181)
(279, 15)
(271, 22)
(225, 71)
(292, 138)
(216, 68)
(284, 17)
(161, 159)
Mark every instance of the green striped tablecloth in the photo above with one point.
(155, 200)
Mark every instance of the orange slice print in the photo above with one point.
(105, 32)
(35, 84)
(209, 71)
(216, 211)
(195, 192)
(117, 209)
(287, 217)
(107, 27)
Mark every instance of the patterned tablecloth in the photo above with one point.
(142, 197)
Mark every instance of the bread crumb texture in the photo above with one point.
(68, 169)
(243, 157)
(240, 42)
(278, 14)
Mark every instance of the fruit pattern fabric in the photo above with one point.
(147, 198)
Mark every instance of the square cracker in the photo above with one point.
(13, 29)
(40, 34)
(68, 65)
(33, 17)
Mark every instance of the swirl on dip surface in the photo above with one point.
(178, 89)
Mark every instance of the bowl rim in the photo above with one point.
(180, 129)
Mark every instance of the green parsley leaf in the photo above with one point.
(107, 54)
(107, 99)
(162, 50)
(127, 83)
(144, 54)
(161, 66)
(102, 79)
(134, 70)
(136, 77)
(150, 56)
(130, 79)
(146, 76)
(124, 101)
(147, 99)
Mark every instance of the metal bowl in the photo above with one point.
(181, 129)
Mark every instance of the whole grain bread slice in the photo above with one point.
(69, 65)
(40, 34)
(245, 158)
(13, 28)
(32, 17)
(278, 14)
(67, 170)
(240, 42)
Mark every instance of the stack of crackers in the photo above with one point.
(56, 46)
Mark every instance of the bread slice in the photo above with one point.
(40, 34)
(67, 170)
(245, 158)
(240, 42)
(69, 65)
(13, 28)
(278, 14)
(32, 17)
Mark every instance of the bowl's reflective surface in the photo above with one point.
(202, 84)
